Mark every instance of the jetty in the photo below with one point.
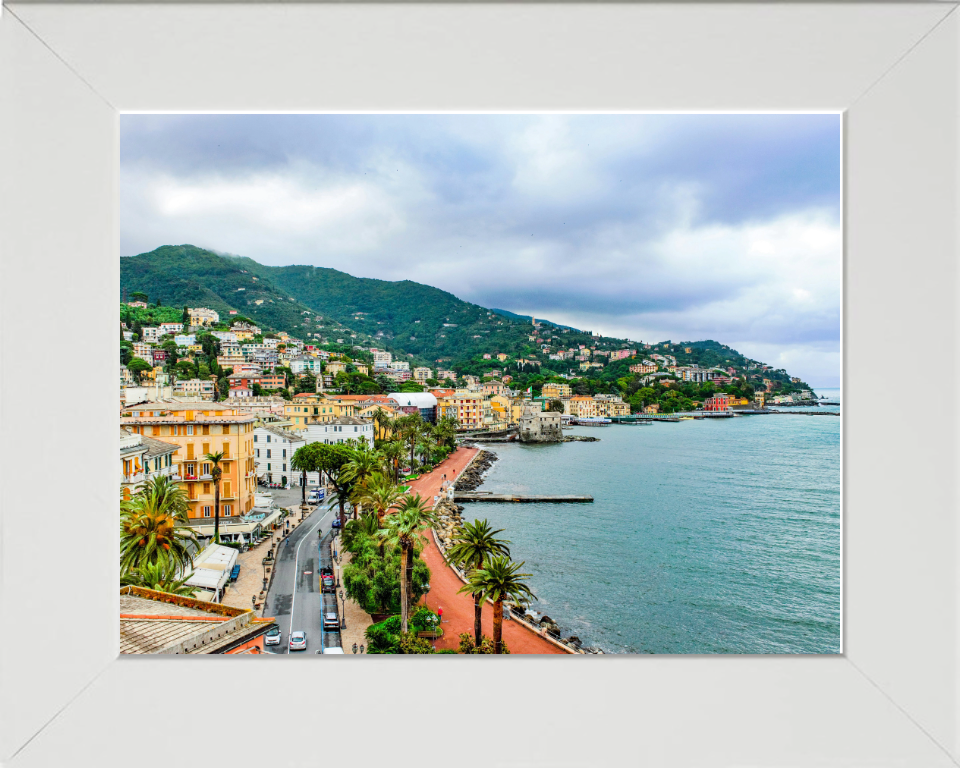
(520, 498)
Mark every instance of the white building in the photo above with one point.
(143, 351)
(339, 430)
(224, 336)
(173, 328)
(273, 449)
(305, 363)
(202, 388)
(422, 374)
(381, 359)
(150, 334)
(399, 365)
(185, 339)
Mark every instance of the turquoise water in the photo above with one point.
(713, 536)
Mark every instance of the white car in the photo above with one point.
(298, 641)
(333, 650)
(272, 637)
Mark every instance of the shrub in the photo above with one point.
(410, 643)
(423, 620)
(486, 644)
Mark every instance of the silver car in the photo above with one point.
(272, 637)
(298, 641)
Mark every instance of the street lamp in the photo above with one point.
(253, 599)
(361, 649)
(343, 612)
(354, 647)
(264, 583)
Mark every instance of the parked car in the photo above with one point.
(327, 583)
(298, 641)
(273, 636)
(334, 649)
(316, 496)
(335, 523)
(331, 622)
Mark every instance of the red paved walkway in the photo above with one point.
(444, 583)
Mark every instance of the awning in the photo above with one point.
(208, 579)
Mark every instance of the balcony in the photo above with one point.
(136, 477)
(206, 477)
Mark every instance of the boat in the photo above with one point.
(591, 421)
(686, 418)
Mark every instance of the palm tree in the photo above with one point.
(366, 526)
(497, 580)
(392, 453)
(153, 527)
(380, 494)
(475, 543)
(382, 422)
(216, 473)
(161, 577)
(408, 429)
(358, 471)
(402, 529)
(303, 461)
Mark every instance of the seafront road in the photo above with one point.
(444, 583)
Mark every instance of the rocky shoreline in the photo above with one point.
(450, 521)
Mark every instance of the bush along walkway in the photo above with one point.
(457, 609)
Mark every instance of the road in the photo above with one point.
(294, 598)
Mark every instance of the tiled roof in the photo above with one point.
(158, 447)
(281, 432)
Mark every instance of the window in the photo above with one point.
(189, 429)
(284, 453)
(206, 488)
(255, 438)
(258, 453)
(269, 467)
(206, 469)
(268, 453)
(206, 511)
(268, 438)
(206, 429)
(227, 510)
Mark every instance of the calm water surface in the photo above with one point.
(705, 536)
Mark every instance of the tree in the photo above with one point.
(153, 527)
(216, 473)
(138, 366)
(392, 453)
(555, 406)
(305, 459)
(139, 296)
(161, 576)
(381, 423)
(475, 543)
(496, 581)
(185, 318)
(364, 464)
(402, 529)
(331, 460)
(380, 495)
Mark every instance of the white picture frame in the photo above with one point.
(67, 70)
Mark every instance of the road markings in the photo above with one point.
(296, 567)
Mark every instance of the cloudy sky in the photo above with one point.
(652, 227)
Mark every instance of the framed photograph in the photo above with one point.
(136, 129)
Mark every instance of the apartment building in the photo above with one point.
(198, 429)
(554, 390)
(202, 316)
(422, 374)
(273, 449)
(582, 406)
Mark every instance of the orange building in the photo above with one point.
(198, 429)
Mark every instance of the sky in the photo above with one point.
(647, 227)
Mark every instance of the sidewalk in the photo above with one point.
(250, 582)
(444, 583)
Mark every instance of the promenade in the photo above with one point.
(444, 583)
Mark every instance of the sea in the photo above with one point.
(705, 537)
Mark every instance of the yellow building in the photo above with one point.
(556, 390)
(243, 335)
(198, 429)
(309, 409)
(501, 357)
(466, 407)
(583, 406)
(203, 316)
(334, 368)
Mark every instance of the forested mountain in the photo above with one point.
(416, 322)
(408, 318)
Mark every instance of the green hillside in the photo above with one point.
(418, 322)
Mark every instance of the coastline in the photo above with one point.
(543, 625)
(458, 612)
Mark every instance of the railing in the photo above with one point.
(133, 478)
